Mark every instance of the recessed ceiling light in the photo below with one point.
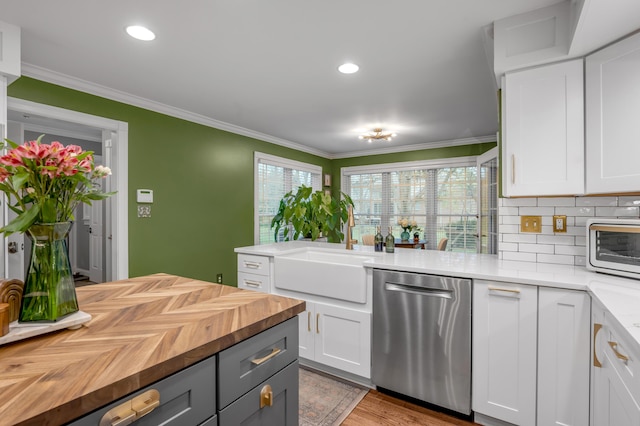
(348, 68)
(141, 33)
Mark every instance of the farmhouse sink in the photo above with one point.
(324, 273)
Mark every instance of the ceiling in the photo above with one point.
(269, 68)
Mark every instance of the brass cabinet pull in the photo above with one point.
(614, 346)
(596, 328)
(266, 396)
(309, 321)
(318, 323)
(262, 360)
(252, 283)
(252, 265)
(513, 168)
(131, 410)
(508, 290)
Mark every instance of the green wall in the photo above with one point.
(202, 180)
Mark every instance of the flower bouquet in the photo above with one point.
(407, 227)
(44, 183)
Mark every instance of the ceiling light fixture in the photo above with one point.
(348, 68)
(378, 134)
(141, 33)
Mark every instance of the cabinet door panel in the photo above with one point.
(343, 339)
(307, 331)
(504, 357)
(543, 151)
(563, 357)
(612, 103)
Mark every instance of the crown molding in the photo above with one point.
(416, 147)
(70, 82)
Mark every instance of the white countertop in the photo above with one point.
(619, 295)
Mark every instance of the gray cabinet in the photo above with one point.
(185, 398)
(254, 382)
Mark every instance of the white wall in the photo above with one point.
(562, 248)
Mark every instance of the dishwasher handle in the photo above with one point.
(422, 291)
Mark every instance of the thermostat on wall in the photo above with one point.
(145, 196)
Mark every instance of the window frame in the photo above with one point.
(286, 163)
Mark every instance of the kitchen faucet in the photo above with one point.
(350, 223)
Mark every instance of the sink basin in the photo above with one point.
(337, 275)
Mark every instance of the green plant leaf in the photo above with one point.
(22, 222)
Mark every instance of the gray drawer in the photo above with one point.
(244, 365)
(283, 411)
(188, 397)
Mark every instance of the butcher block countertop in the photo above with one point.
(142, 330)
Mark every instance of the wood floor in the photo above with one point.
(379, 409)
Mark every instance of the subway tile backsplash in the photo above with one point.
(548, 247)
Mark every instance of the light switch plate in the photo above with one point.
(559, 223)
(531, 224)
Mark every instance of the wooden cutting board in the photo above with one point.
(142, 330)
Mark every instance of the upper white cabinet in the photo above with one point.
(543, 131)
(9, 51)
(612, 130)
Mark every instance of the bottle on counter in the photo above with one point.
(390, 242)
(378, 240)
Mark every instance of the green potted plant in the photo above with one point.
(312, 214)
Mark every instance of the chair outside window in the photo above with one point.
(368, 240)
(442, 244)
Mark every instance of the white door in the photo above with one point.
(343, 339)
(96, 241)
(564, 340)
(307, 331)
(504, 351)
(15, 242)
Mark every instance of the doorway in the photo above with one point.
(102, 259)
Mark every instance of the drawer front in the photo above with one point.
(186, 398)
(248, 363)
(254, 282)
(617, 346)
(283, 410)
(253, 264)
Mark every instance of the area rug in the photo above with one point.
(325, 401)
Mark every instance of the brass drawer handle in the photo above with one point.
(309, 321)
(266, 396)
(318, 323)
(615, 228)
(252, 283)
(131, 410)
(262, 360)
(252, 265)
(614, 346)
(508, 290)
(596, 328)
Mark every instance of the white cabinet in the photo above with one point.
(254, 272)
(530, 354)
(10, 66)
(504, 351)
(543, 134)
(337, 337)
(564, 343)
(612, 105)
(615, 380)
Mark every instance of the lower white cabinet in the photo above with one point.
(530, 354)
(337, 337)
(615, 369)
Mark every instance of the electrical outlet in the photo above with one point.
(219, 278)
(144, 210)
(531, 224)
(559, 223)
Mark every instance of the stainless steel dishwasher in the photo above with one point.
(422, 337)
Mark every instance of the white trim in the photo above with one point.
(416, 147)
(119, 178)
(64, 80)
(409, 165)
(58, 132)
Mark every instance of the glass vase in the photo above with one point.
(49, 290)
(404, 236)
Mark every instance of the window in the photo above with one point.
(274, 177)
(441, 196)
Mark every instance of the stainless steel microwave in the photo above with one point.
(613, 246)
